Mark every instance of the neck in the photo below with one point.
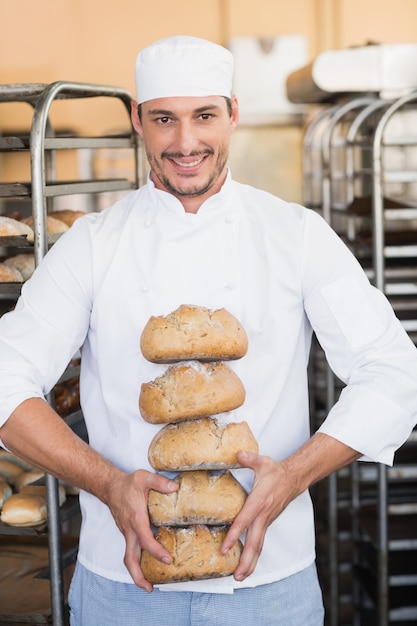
(191, 204)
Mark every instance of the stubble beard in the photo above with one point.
(190, 192)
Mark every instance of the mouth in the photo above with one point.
(188, 163)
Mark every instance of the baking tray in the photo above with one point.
(24, 578)
(402, 529)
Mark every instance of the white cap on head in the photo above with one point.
(183, 66)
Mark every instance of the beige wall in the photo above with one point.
(96, 41)
(92, 41)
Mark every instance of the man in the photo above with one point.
(192, 235)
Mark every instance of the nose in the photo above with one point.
(186, 137)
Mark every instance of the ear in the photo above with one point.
(235, 112)
(135, 117)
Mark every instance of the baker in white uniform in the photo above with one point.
(193, 235)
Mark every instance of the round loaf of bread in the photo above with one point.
(68, 216)
(193, 333)
(9, 274)
(203, 443)
(28, 477)
(9, 227)
(53, 225)
(202, 498)
(191, 389)
(24, 510)
(40, 490)
(24, 263)
(195, 552)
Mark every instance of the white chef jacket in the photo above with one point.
(281, 271)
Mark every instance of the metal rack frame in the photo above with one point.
(43, 144)
(339, 134)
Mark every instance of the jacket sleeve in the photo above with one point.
(365, 346)
(49, 322)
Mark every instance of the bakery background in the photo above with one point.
(316, 147)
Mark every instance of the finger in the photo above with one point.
(252, 510)
(132, 562)
(236, 530)
(251, 552)
(161, 483)
(248, 459)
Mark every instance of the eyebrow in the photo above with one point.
(168, 113)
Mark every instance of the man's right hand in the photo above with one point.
(127, 498)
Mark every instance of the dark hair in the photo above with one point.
(228, 103)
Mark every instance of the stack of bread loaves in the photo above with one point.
(192, 522)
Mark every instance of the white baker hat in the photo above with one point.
(183, 66)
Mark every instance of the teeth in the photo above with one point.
(191, 164)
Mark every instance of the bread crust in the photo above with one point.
(24, 510)
(9, 227)
(193, 333)
(28, 477)
(203, 443)
(202, 498)
(24, 263)
(68, 216)
(196, 555)
(9, 470)
(9, 274)
(53, 225)
(190, 390)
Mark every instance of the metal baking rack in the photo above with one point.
(360, 160)
(41, 142)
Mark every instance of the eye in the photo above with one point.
(164, 120)
(206, 116)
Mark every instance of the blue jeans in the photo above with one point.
(97, 601)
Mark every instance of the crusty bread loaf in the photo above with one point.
(9, 227)
(10, 274)
(68, 216)
(202, 498)
(200, 444)
(24, 510)
(191, 389)
(196, 555)
(53, 225)
(193, 332)
(40, 490)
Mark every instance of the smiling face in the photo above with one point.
(187, 144)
